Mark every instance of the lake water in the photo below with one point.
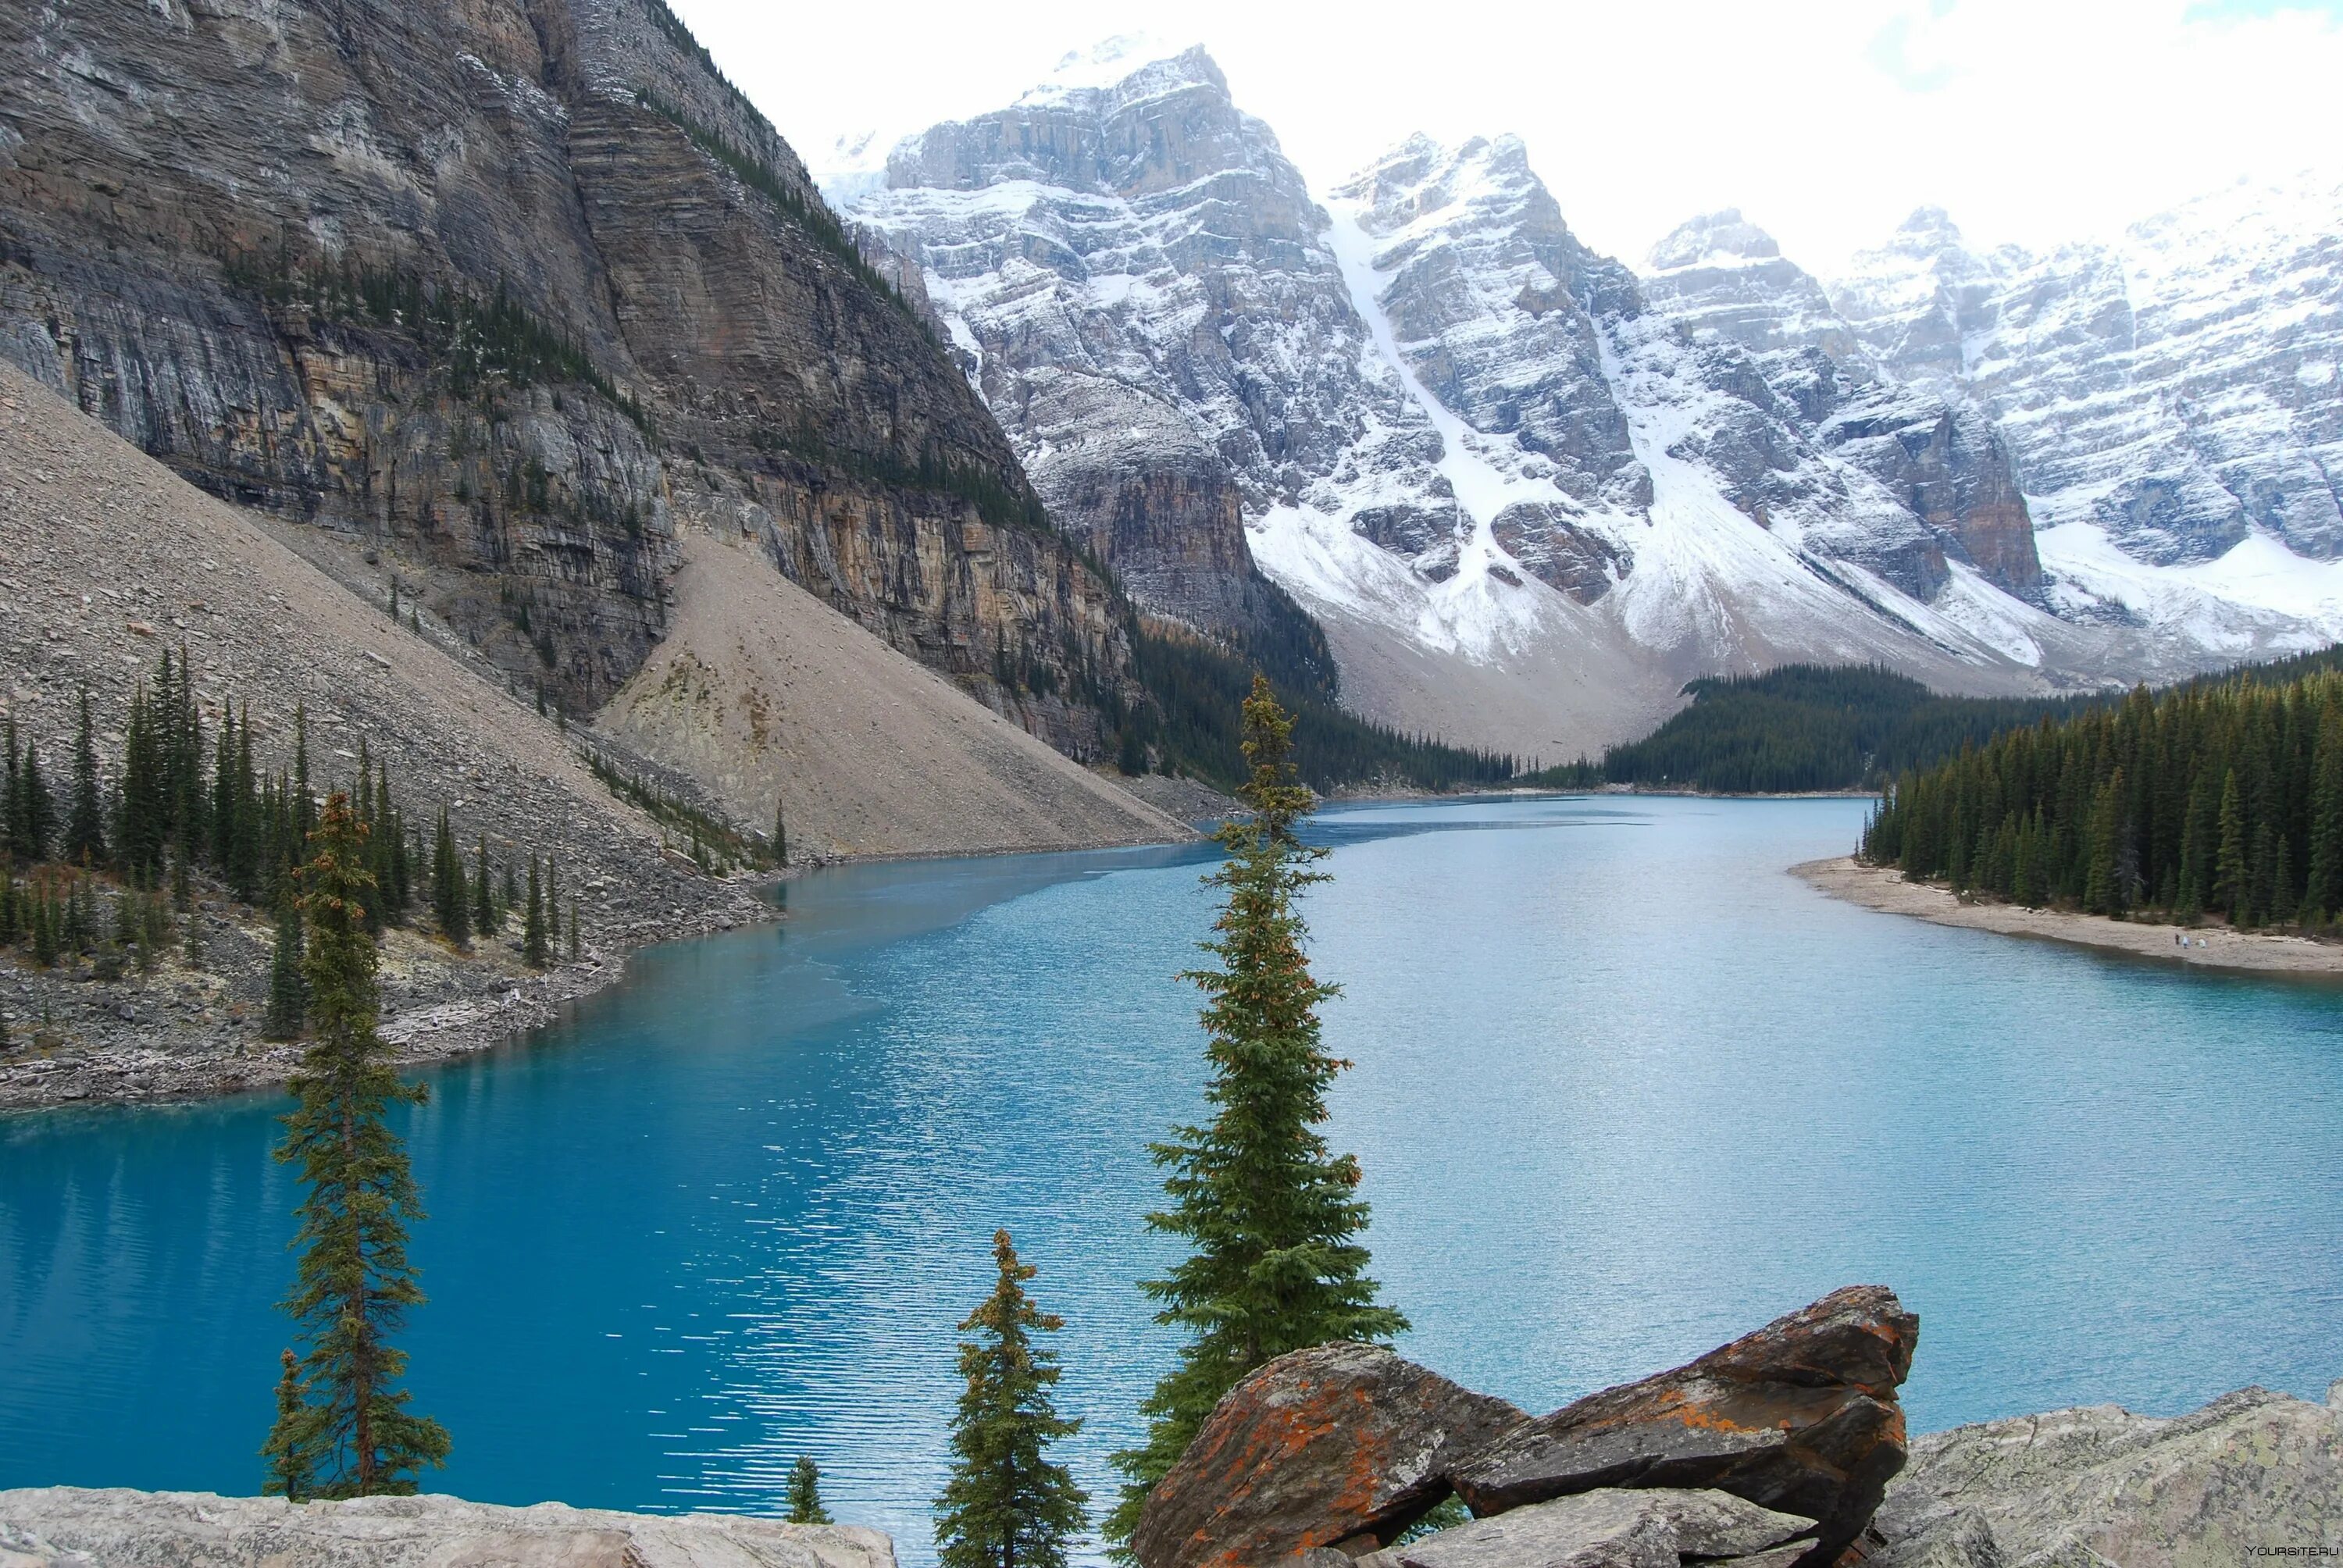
(1622, 1090)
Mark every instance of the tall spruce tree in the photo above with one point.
(349, 1432)
(1271, 1215)
(289, 988)
(532, 930)
(1007, 1504)
(451, 902)
(2322, 894)
(86, 808)
(484, 891)
(2231, 890)
(805, 1495)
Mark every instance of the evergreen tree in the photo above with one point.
(349, 1432)
(780, 836)
(86, 811)
(805, 1495)
(532, 930)
(2322, 894)
(484, 900)
(1007, 1504)
(288, 1475)
(573, 929)
(450, 899)
(289, 992)
(2229, 891)
(1271, 1216)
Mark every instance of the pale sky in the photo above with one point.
(1825, 121)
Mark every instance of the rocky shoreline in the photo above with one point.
(2206, 947)
(1785, 1448)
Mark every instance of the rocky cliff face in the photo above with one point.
(506, 293)
(1134, 275)
(2174, 391)
(1726, 280)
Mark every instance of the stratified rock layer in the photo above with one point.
(1343, 1444)
(248, 236)
(1800, 1416)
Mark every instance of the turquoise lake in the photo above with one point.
(1622, 1090)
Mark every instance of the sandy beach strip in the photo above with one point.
(2208, 947)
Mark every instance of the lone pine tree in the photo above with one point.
(347, 1431)
(1007, 1504)
(805, 1495)
(1270, 1214)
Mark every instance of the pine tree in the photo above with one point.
(288, 1456)
(1271, 1216)
(805, 1495)
(2322, 896)
(780, 836)
(349, 1432)
(572, 929)
(289, 992)
(1007, 1504)
(2229, 887)
(532, 930)
(483, 892)
(86, 812)
(450, 899)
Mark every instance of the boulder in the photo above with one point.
(1800, 1416)
(2252, 1474)
(1614, 1528)
(1341, 1444)
(71, 1527)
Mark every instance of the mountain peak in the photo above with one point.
(1147, 61)
(1722, 238)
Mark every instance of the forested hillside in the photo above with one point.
(1807, 726)
(1198, 689)
(2219, 798)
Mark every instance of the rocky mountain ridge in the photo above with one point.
(1524, 497)
(506, 295)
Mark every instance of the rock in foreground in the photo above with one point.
(118, 1528)
(1615, 1528)
(2253, 1473)
(1341, 1446)
(1800, 1416)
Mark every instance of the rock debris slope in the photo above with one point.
(771, 697)
(1523, 503)
(106, 557)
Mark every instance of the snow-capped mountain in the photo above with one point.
(1526, 492)
(2175, 391)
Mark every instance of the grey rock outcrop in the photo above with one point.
(1613, 1528)
(2252, 1473)
(69, 1527)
